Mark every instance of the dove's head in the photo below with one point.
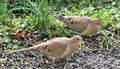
(77, 39)
(97, 23)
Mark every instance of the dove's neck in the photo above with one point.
(73, 46)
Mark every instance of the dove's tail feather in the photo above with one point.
(59, 17)
(21, 50)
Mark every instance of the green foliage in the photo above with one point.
(39, 15)
(106, 41)
(4, 14)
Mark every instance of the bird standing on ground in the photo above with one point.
(81, 24)
(55, 48)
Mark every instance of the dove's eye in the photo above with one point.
(69, 18)
(98, 23)
(77, 39)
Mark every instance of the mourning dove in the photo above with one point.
(56, 48)
(81, 24)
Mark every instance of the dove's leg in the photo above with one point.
(82, 34)
(56, 59)
(86, 33)
(78, 33)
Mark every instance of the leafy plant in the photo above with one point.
(39, 15)
(4, 14)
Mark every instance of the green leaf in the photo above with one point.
(3, 28)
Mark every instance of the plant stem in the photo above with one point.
(10, 31)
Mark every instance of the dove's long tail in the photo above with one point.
(59, 17)
(21, 50)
